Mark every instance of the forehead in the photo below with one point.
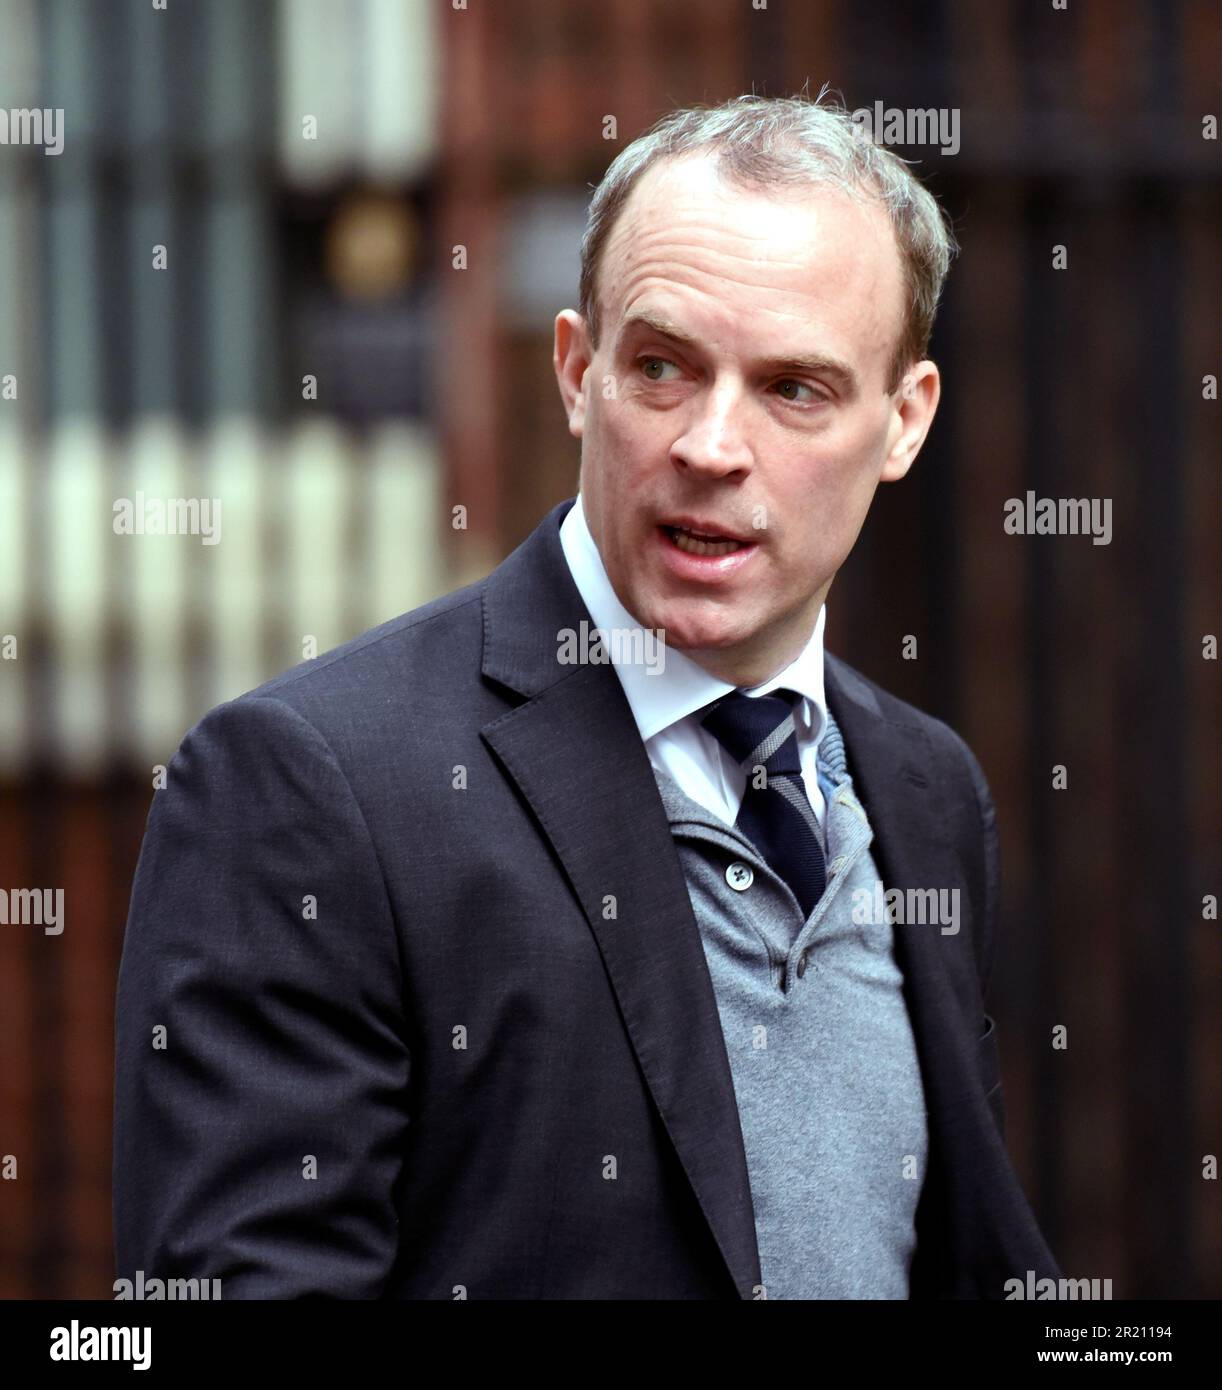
(809, 261)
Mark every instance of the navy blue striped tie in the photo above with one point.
(758, 732)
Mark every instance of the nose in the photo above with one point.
(714, 442)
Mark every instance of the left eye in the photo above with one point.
(799, 385)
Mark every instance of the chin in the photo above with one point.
(695, 633)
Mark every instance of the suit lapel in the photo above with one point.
(892, 766)
(894, 770)
(574, 751)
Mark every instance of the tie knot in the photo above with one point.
(757, 730)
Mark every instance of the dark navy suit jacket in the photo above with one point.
(402, 1040)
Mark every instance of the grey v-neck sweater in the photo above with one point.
(820, 1046)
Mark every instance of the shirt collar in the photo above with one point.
(660, 697)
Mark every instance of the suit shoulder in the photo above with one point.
(412, 658)
(948, 745)
(394, 651)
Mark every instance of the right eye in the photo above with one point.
(646, 363)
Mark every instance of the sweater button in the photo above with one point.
(740, 876)
(801, 965)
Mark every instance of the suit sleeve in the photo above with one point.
(261, 1064)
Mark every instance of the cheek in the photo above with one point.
(847, 513)
(603, 443)
(848, 469)
(826, 506)
(638, 439)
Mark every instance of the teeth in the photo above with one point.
(689, 543)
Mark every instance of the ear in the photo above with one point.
(914, 405)
(571, 356)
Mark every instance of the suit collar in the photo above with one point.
(528, 599)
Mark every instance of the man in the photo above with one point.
(464, 963)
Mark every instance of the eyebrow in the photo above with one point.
(816, 364)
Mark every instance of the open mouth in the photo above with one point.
(697, 543)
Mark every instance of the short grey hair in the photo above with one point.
(772, 143)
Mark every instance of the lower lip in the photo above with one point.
(702, 567)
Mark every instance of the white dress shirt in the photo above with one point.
(665, 703)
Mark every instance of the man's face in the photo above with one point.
(739, 390)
